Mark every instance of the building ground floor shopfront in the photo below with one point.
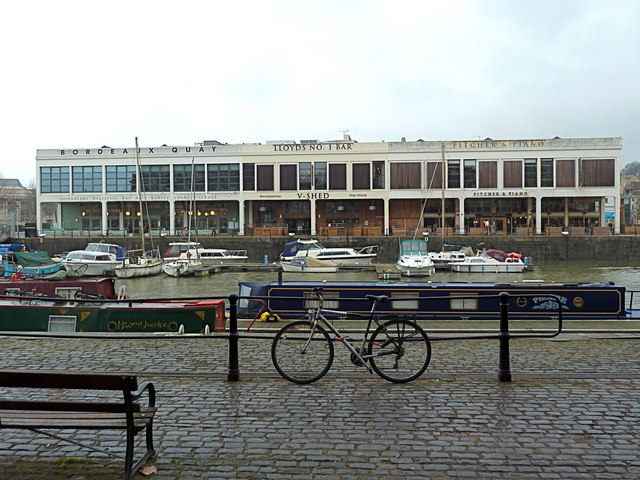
(331, 217)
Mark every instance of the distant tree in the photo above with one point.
(631, 169)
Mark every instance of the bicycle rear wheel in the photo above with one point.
(301, 355)
(401, 351)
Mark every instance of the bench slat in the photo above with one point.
(84, 381)
(72, 420)
(66, 406)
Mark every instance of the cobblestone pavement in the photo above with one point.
(571, 412)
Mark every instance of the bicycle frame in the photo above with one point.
(360, 354)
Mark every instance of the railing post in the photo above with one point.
(504, 370)
(234, 372)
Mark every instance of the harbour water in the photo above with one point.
(224, 283)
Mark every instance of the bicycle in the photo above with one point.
(398, 350)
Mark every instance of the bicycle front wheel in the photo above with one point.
(302, 354)
(400, 351)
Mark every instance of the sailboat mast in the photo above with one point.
(443, 178)
(140, 183)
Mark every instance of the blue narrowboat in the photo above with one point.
(461, 300)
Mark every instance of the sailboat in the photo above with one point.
(444, 258)
(147, 263)
(188, 263)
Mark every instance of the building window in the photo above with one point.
(306, 175)
(121, 178)
(546, 172)
(320, 175)
(470, 174)
(54, 179)
(597, 173)
(405, 175)
(288, 177)
(337, 176)
(361, 176)
(453, 174)
(531, 172)
(565, 173)
(378, 175)
(223, 177)
(188, 178)
(248, 176)
(265, 177)
(155, 178)
(87, 179)
(488, 174)
(434, 175)
(512, 174)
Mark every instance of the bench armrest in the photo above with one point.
(151, 391)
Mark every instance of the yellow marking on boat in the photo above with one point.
(201, 314)
(84, 315)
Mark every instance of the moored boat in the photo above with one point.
(308, 265)
(453, 300)
(494, 261)
(147, 264)
(343, 257)
(59, 286)
(95, 259)
(414, 260)
(51, 315)
(29, 263)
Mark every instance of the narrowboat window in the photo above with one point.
(331, 300)
(67, 292)
(62, 323)
(404, 300)
(463, 303)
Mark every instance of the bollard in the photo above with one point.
(234, 373)
(504, 370)
(266, 260)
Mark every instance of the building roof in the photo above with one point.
(10, 182)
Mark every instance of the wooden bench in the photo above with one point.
(61, 411)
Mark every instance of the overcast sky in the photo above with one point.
(83, 74)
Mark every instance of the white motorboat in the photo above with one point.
(414, 260)
(444, 258)
(484, 262)
(145, 265)
(308, 265)
(95, 259)
(218, 256)
(342, 257)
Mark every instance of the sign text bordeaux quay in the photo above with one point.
(125, 151)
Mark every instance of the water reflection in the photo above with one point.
(222, 284)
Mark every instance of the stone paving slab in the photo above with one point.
(571, 412)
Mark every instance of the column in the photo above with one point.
(312, 225)
(241, 217)
(105, 218)
(538, 216)
(460, 220)
(172, 217)
(386, 217)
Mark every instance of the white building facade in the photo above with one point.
(337, 187)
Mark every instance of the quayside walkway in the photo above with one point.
(571, 412)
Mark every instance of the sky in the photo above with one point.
(83, 74)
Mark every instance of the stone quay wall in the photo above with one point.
(541, 247)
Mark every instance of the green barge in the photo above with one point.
(33, 314)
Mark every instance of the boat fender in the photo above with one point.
(270, 317)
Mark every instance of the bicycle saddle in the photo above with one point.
(378, 298)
